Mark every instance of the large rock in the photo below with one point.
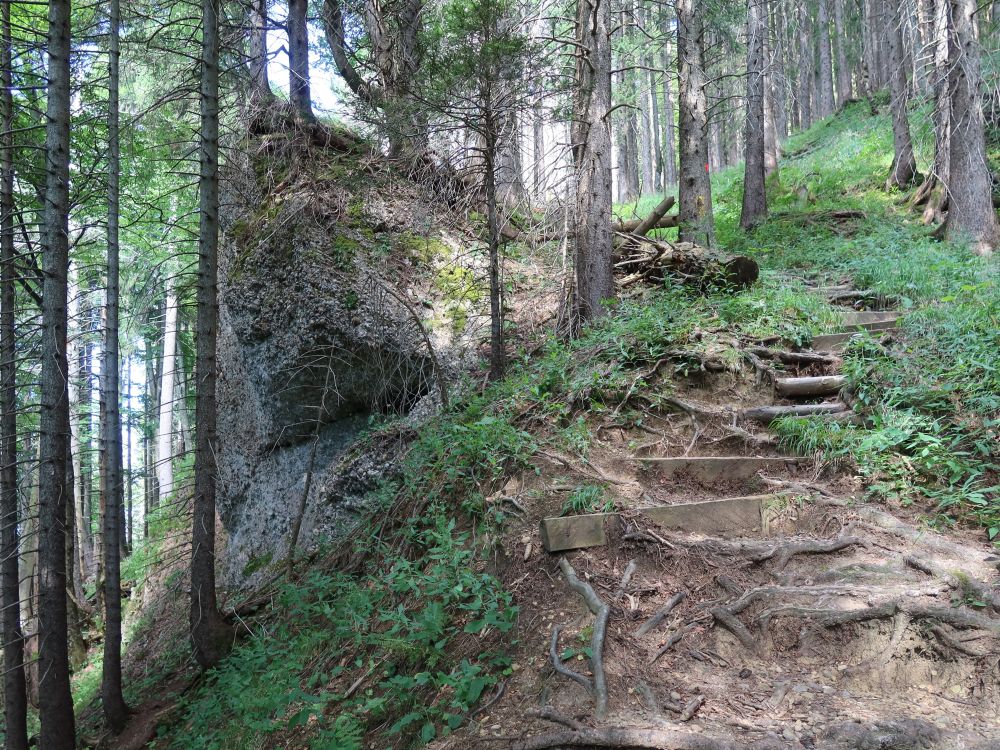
(311, 346)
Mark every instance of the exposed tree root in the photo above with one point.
(784, 553)
(547, 713)
(730, 622)
(624, 737)
(558, 665)
(601, 612)
(661, 614)
(958, 581)
(830, 618)
(951, 640)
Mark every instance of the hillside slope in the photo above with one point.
(433, 621)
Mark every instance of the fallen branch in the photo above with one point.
(672, 641)
(691, 708)
(641, 227)
(601, 612)
(661, 614)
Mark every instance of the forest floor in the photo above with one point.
(854, 605)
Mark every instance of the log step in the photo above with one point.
(734, 514)
(713, 468)
(767, 414)
(825, 385)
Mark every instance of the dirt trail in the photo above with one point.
(819, 622)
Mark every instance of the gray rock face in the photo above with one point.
(310, 347)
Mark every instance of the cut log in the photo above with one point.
(767, 414)
(813, 386)
(641, 227)
(651, 260)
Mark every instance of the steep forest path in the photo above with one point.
(728, 595)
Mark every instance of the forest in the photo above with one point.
(513, 374)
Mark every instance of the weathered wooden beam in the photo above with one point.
(574, 532)
(732, 514)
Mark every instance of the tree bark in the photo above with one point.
(55, 700)
(695, 211)
(591, 139)
(754, 193)
(971, 216)
(210, 636)
(903, 171)
(14, 686)
(115, 710)
(825, 59)
(298, 60)
(656, 161)
(844, 89)
(165, 425)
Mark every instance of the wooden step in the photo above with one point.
(825, 385)
(728, 515)
(713, 468)
(871, 321)
(767, 414)
(831, 342)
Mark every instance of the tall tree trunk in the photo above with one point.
(538, 167)
(806, 68)
(55, 700)
(904, 166)
(645, 91)
(14, 685)
(825, 59)
(165, 425)
(298, 59)
(28, 585)
(497, 354)
(210, 636)
(115, 711)
(669, 137)
(695, 221)
(591, 139)
(260, 86)
(127, 473)
(971, 216)
(656, 161)
(754, 193)
(844, 88)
